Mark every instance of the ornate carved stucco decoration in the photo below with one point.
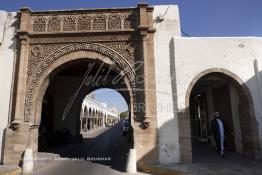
(85, 22)
(69, 23)
(54, 24)
(130, 20)
(114, 22)
(39, 24)
(36, 51)
(99, 22)
(41, 65)
(36, 56)
(126, 49)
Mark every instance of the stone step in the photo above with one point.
(44, 159)
(10, 170)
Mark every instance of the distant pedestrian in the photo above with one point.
(218, 130)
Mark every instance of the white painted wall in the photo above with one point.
(7, 56)
(234, 99)
(237, 55)
(97, 106)
(192, 56)
(166, 117)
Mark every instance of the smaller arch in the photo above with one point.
(221, 71)
(246, 112)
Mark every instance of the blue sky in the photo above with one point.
(198, 18)
(111, 97)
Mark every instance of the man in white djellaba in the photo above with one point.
(218, 130)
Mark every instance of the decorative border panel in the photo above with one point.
(85, 22)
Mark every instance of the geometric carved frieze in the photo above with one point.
(105, 21)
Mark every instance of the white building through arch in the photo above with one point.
(95, 115)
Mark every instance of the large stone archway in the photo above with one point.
(38, 82)
(62, 86)
(49, 40)
(245, 110)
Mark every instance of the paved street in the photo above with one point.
(107, 143)
(207, 162)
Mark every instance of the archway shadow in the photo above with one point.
(107, 146)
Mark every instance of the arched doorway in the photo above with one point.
(69, 78)
(68, 86)
(219, 90)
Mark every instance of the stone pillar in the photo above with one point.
(147, 149)
(16, 141)
(149, 65)
(88, 124)
(33, 138)
(22, 70)
(16, 137)
(99, 122)
(94, 123)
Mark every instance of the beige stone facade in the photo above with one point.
(49, 40)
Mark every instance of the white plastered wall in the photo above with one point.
(7, 57)
(165, 92)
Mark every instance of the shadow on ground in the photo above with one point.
(107, 146)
